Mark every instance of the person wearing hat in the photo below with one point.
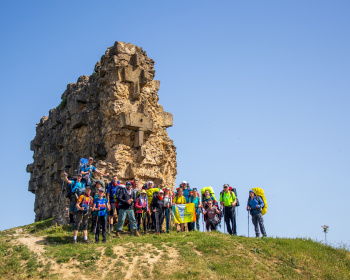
(186, 190)
(126, 199)
(77, 186)
(228, 203)
(142, 211)
(84, 203)
(157, 207)
(254, 205)
(100, 206)
(179, 199)
(150, 194)
(87, 169)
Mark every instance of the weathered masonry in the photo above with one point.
(112, 115)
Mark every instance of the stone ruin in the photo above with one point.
(113, 116)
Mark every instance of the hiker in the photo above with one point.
(94, 214)
(179, 199)
(228, 203)
(100, 206)
(186, 189)
(150, 192)
(111, 197)
(157, 207)
(135, 187)
(142, 210)
(195, 198)
(167, 208)
(212, 216)
(126, 200)
(87, 169)
(76, 187)
(207, 196)
(83, 205)
(255, 204)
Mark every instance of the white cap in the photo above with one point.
(161, 191)
(184, 182)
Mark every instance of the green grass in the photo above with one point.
(194, 255)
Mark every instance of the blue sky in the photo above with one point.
(259, 91)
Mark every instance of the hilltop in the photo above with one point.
(40, 250)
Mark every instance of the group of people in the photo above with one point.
(148, 207)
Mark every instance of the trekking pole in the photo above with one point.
(223, 210)
(95, 229)
(248, 222)
(109, 233)
(166, 220)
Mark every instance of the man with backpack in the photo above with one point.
(100, 206)
(126, 199)
(195, 198)
(83, 205)
(228, 203)
(74, 188)
(87, 170)
(254, 205)
(112, 197)
(186, 189)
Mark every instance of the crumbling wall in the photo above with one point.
(113, 116)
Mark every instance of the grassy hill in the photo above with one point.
(43, 251)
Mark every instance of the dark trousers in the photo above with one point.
(258, 219)
(141, 220)
(230, 217)
(212, 223)
(101, 224)
(159, 220)
(190, 226)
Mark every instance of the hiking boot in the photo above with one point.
(75, 242)
(87, 241)
(104, 240)
(137, 233)
(117, 234)
(97, 241)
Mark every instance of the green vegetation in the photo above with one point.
(194, 255)
(63, 103)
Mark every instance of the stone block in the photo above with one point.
(166, 119)
(132, 74)
(139, 138)
(147, 75)
(141, 154)
(137, 121)
(135, 91)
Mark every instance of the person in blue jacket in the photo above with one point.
(186, 190)
(87, 170)
(255, 204)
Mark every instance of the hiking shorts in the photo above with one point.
(113, 209)
(80, 217)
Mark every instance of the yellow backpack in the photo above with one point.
(260, 192)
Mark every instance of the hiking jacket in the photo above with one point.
(186, 193)
(157, 204)
(124, 197)
(255, 204)
(140, 204)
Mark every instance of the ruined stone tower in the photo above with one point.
(113, 116)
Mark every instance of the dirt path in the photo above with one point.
(131, 261)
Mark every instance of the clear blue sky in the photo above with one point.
(259, 91)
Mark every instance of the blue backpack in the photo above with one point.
(82, 162)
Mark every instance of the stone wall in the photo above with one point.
(113, 116)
